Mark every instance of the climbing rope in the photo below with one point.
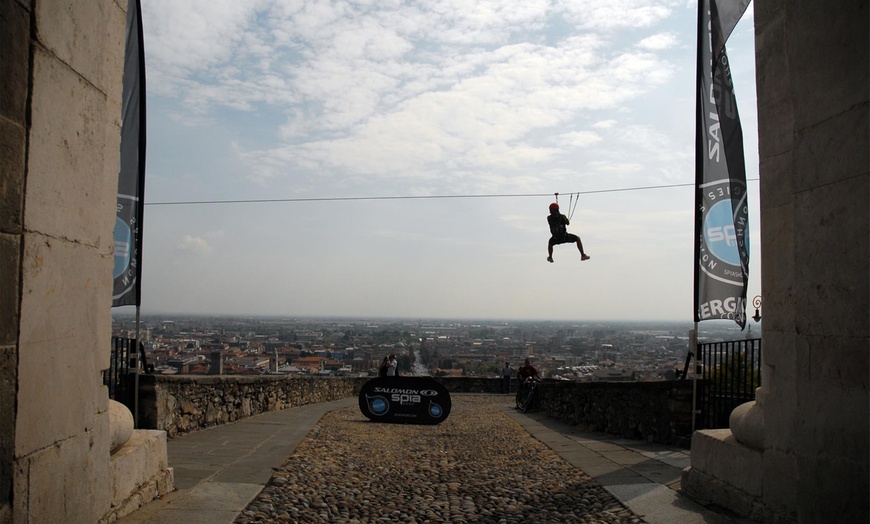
(573, 200)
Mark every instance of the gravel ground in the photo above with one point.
(476, 466)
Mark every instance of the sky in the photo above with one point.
(307, 107)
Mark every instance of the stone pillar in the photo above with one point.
(805, 442)
(60, 135)
(14, 78)
(813, 70)
(60, 85)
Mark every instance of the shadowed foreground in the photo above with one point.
(477, 466)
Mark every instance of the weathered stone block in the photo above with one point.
(833, 485)
(780, 367)
(702, 487)
(778, 270)
(718, 454)
(10, 258)
(12, 149)
(142, 459)
(832, 151)
(59, 483)
(14, 72)
(829, 60)
(780, 481)
(833, 298)
(60, 351)
(833, 406)
(776, 184)
(66, 160)
(116, 35)
(775, 114)
(78, 33)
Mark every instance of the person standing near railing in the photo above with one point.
(506, 373)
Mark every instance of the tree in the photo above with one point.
(736, 374)
(405, 362)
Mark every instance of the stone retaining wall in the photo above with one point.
(658, 411)
(180, 404)
(652, 411)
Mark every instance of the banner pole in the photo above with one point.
(136, 377)
(693, 344)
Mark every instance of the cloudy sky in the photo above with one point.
(321, 103)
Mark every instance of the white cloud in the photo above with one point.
(616, 14)
(578, 139)
(659, 42)
(604, 124)
(194, 246)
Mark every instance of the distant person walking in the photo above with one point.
(506, 373)
(560, 235)
(385, 365)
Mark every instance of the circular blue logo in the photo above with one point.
(719, 233)
(434, 410)
(378, 405)
(123, 247)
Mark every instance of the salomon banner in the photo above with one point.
(404, 400)
(127, 272)
(721, 212)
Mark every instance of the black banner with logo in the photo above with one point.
(405, 400)
(721, 212)
(127, 271)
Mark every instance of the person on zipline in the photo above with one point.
(558, 228)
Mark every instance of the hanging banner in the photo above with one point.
(405, 400)
(127, 271)
(721, 209)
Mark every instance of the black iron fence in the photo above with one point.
(118, 377)
(729, 372)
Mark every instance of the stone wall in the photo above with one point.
(180, 404)
(652, 411)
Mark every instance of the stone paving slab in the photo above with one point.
(229, 464)
(476, 466)
(213, 467)
(644, 476)
(624, 456)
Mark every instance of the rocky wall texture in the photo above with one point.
(652, 411)
(180, 404)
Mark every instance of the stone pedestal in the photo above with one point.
(139, 472)
(725, 472)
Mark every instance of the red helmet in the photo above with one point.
(554, 206)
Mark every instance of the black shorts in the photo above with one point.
(568, 238)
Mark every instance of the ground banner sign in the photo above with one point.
(405, 400)
(721, 209)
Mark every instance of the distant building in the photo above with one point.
(613, 375)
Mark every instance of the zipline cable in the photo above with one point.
(411, 197)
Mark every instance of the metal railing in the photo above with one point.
(730, 372)
(118, 376)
